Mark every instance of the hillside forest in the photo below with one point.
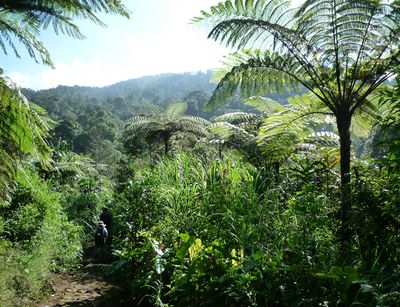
(273, 181)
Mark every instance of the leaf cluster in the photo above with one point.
(24, 128)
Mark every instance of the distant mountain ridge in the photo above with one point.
(128, 98)
(173, 85)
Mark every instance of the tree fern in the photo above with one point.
(238, 117)
(307, 125)
(160, 126)
(339, 50)
(264, 105)
(23, 130)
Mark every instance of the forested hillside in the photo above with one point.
(126, 98)
(279, 185)
(91, 120)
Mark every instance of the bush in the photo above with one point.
(192, 226)
(39, 240)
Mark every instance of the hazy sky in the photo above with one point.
(157, 39)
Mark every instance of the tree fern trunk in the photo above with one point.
(166, 147)
(343, 125)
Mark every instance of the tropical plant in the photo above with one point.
(198, 225)
(68, 166)
(23, 125)
(41, 240)
(278, 130)
(239, 130)
(161, 125)
(302, 124)
(341, 51)
(23, 129)
(23, 20)
(385, 141)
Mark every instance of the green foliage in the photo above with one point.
(257, 73)
(40, 240)
(83, 200)
(341, 51)
(207, 233)
(377, 207)
(161, 125)
(335, 61)
(296, 126)
(239, 130)
(385, 140)
(23, 130)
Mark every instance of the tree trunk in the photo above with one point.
(166, 147)
(343, 124)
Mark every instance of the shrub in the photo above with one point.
(40, 240)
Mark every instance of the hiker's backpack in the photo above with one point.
(100, 236)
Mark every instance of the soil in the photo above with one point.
(89, 286)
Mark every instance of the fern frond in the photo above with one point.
(324, 139)
(238, 117)
(264, 105)
(257, 73)
(339, 50)
(226, 131)
(12, 28)
(163, 125)
(153, 109)
(175, 110)
(284, 132)
(24, 128)
(194, 120)
(74, 163)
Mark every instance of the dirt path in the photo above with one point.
(86, 287)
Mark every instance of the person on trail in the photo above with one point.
(107, 218)
(101, 234)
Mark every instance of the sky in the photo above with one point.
(158, 38)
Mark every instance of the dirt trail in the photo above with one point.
(86, 287)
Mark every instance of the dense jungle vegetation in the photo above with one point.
(279, 185)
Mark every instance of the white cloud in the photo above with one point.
(152, 57)
(169, 46)
(78, 72)
(22, 80)
(158, 39)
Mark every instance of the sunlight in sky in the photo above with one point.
(158, 39)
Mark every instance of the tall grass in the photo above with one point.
(222, 224)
